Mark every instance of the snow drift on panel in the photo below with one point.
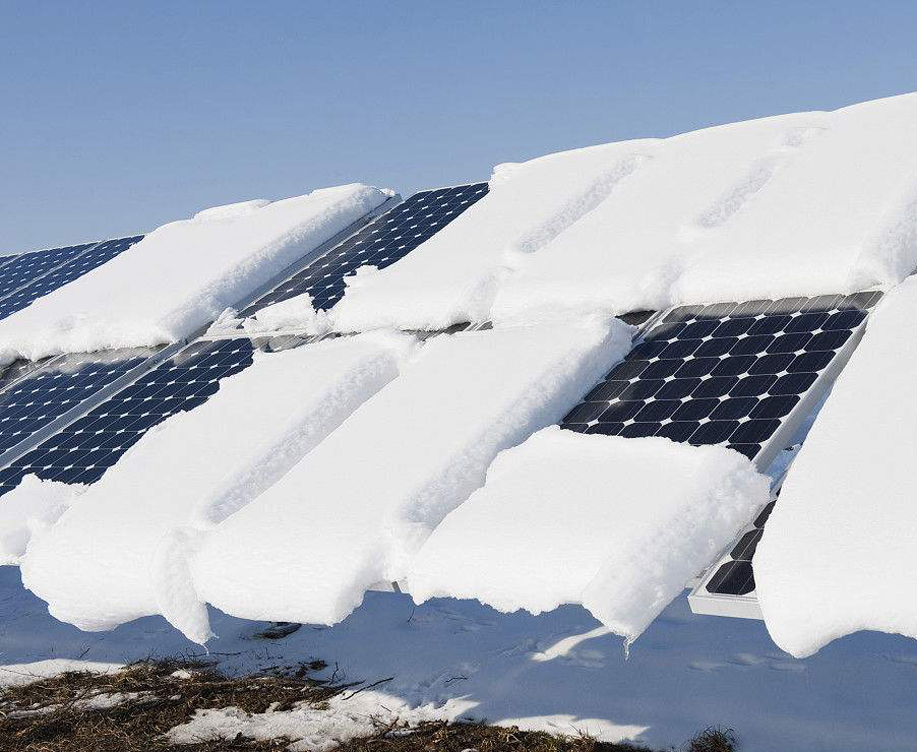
(183, 275)
(453, 276)
(618, 525)
(355, 511)
(807, 203)
(28, 510)
(837, 555)
(121, 552)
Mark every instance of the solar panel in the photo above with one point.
(727, 373)
(82, 451)
(380, 243)
(43, 394)
(27, 266)
(72, 269)
(735, 576)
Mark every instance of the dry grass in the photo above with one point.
(72, 712)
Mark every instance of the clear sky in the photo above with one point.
(118, 117)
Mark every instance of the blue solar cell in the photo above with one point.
(34, 401)
(86, 448)
(381, 243)
(28, 266)
(725, 373)
(73, 269)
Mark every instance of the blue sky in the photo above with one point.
(118, 117)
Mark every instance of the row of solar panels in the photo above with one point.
(739, 374)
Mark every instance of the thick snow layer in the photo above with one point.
(182, 275)
(618, 525)
(355, 511)
(28, 510)
(453, 276)
(837, 554)
(121, 552)
(807, 203)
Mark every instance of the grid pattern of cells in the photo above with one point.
(26, 267)
(69, 271)
(728, 373)
(34, 401)
(380, 243)
(85, 449)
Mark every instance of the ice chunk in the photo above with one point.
(121, 553)
(182, 276)
(618, 525)
(29, 509)
(355, 511)
(837, 555)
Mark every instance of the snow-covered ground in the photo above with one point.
(556, 671)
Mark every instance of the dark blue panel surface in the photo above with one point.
(43, 395)
(26, 267)
(69, 271)
(726, 373)
(381, 243)
(85, 449)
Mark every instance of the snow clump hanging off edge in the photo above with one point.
(617, 525)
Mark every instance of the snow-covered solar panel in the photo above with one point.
(28, 266)
(46, 393)
(380, 243)
(727, 373)
(82, 451)
(72, 269)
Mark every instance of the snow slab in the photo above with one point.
(31, 507)
(182, 275)
(554, 672)
(453, 276)
(356, 510)
(121, 552)
(618, 525)
(799, 204)
(837, 555)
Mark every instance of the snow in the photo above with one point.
(30, 508)
(183, 275)
(355, 511)
(618, 525)
(311, 730)
(837, 553)
(556, 671)
(122, 551)
(806, 203)
(453, 276)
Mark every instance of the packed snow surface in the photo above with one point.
(355, 511)
(183, 275)
(800, 204)
(32, 506)
(837, 554)
(618, 525)
(122, 551)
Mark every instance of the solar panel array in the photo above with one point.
(29, 266)
(35, 400)
(380, 243)
(71, 269)
(85, 449)
(727, 373)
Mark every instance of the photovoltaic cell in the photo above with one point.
(49, 391)
(85, 449)
(73, 269)
(380, 243)
(726, 373)
(27, 266)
